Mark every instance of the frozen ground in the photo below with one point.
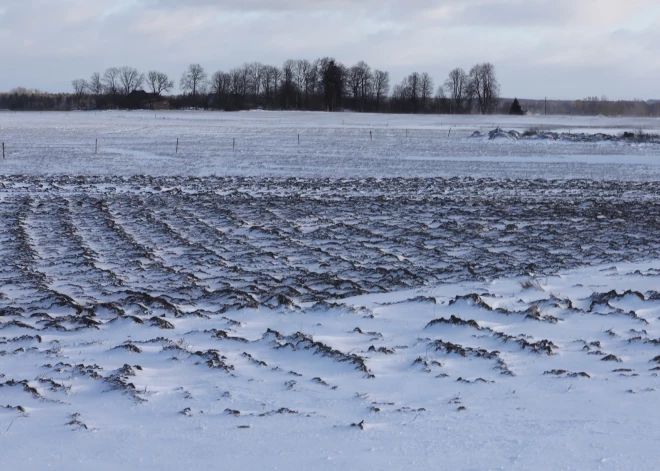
(331, 145)
(269, 319)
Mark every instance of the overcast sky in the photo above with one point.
(555, 48)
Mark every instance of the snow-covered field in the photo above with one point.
(429, 302)
(331, 145)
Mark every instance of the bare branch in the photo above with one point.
(159, 82)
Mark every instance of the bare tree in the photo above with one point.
(111, 80)
(235, 75)
(159, 82)
(366, 83)
(288, 83)
(79, 89)
(441, 101)
(254, 78)
(204, 91)
(269, 80)
(359, 80)
(192, 78)
(301, 71)
(130, 79)
(414, 83)
(483, 83)
(399, 92)
(220, 87)
(457, 88)
(240, 82)
(244, 73)
(312, 81)
(353, 82)
(425, 89)
(381, 86)
(95, 85)
(408, 92)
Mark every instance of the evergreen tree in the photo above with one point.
(333, 85)
(516, 108)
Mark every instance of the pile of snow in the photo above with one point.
(499, 133)
(513, 135)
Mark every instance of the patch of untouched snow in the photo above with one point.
(331, 145)
(536, 392)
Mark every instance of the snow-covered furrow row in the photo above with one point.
(153, 229)
(204, 228)
(328, 242)
(144, 221)
(20, 280)
(67, 263)
(158, 241)
(317, 252)
(461, 241)
(215, 226)
(136, 266)
(273, 255)
(367, 254)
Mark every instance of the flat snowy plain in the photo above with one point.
(361, 300)
(334, 145)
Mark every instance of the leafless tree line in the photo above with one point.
(23, 99)
(477, 90)
(299, 84)
(323, 84)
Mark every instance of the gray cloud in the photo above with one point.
(559, 48)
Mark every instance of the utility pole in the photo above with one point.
(546, 106)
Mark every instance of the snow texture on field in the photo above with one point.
(254, 321)
(331, 145)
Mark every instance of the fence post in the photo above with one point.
(233, 143)
(406, 133)
(371, 136)
(177, 145)
(298, 139)
(3, 150)
(96, 147)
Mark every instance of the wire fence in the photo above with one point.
(191, 140)
(236, 140)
